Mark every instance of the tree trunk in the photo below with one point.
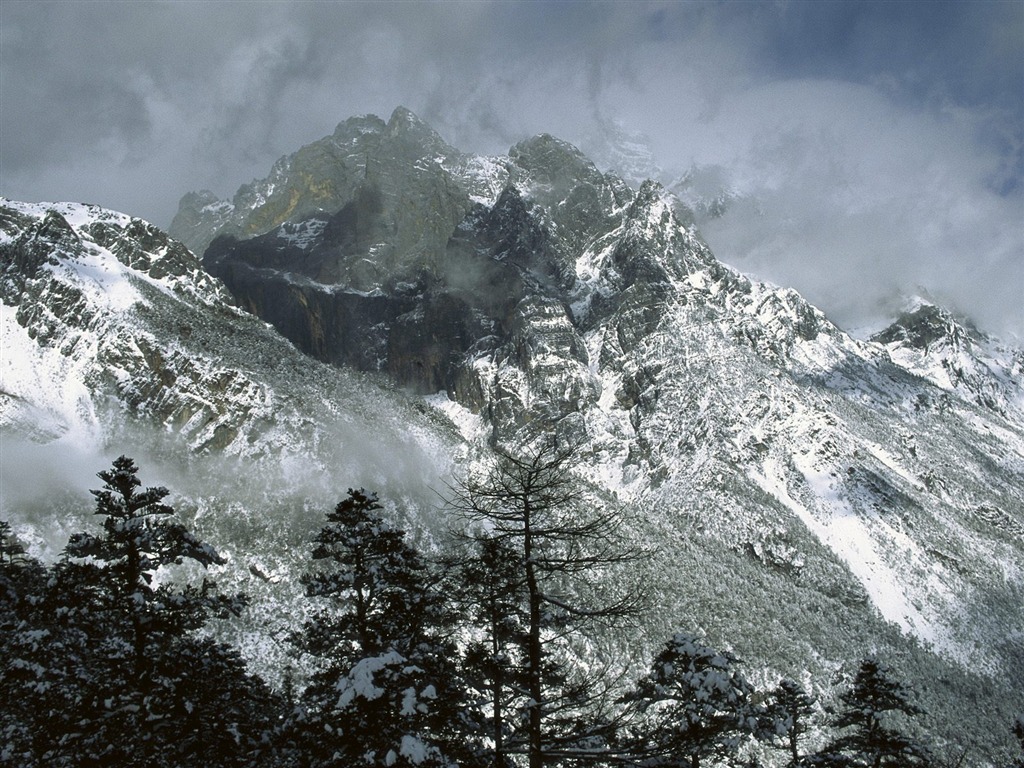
(499, 722)
(134, 577)
(534, 649)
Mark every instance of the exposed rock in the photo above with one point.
(408, 275)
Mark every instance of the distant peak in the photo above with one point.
(404, 122)
(924, 324)
(404, 115)
(544, 144)
(553, 161)
(359, 124)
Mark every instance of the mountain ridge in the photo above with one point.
(796, 479)
(582, 363)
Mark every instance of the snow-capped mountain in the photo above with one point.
(807, 497)
(957, 357)
(875, 484)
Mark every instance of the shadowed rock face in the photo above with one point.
(416, 322)
(420, 261)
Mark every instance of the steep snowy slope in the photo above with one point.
(113, 340)
(105, 316)
(812, 497)
(957, 357)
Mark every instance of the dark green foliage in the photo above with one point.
(102, 664)
(139, 537)
(788, 713)
(872, 704)
(101, 668)
(387, 691)
(10, 548)
(697, 704)
(490, 592)
(26, 687)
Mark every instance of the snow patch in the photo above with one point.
(470, 425)
(44, 386)
(862, 543)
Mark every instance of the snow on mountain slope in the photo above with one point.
(810, 494)
(746, 380)
(114, 340)
(806, 497)
(957, 357)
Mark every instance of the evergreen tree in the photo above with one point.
(531, 506)
(11, 549)
(788, 711)
(698, 705)
(871, 705)
(31, 692)
(489, 589)
(139, 537)
(103, 664)
(387, 692)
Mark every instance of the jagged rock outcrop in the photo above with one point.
(957, 357)
(390, 184)
(106, 314)
(428, 254)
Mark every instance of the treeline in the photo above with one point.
(472, 659)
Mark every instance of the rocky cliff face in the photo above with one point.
(957, 358)
(106, 318)
(545, 296)
(427, 254)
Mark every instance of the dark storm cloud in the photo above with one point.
(876, 147)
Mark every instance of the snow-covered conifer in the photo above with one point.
(698, 706)
(873, 706)
(387, 691)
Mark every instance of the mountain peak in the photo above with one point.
(953, 354)
(364, 158)
(37, 234)
(552, 162)
(359, 125)
(402, 117)
(927, 325)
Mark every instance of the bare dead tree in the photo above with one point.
(558, 543)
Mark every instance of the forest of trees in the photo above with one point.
(463, 659)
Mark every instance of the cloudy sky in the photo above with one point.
(875, 148)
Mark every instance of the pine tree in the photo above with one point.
(531, 506)
(387, 692)
(788, 711)
(699, 706)
(140, 537)
(104, 666)
(489, 589)
(873, 703)
(31, 692)
(11, 550)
